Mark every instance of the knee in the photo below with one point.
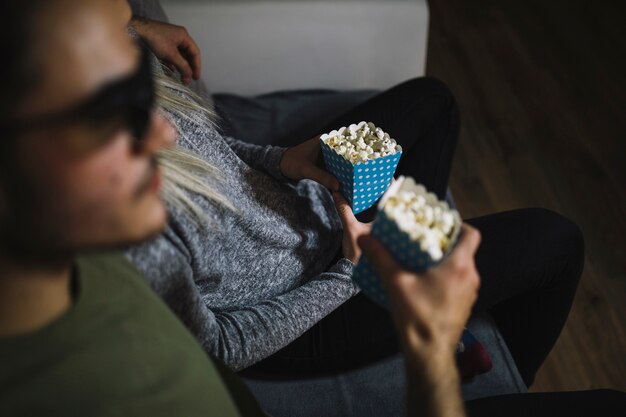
(433, 100)
(564, 229)
(608, 393)
(433, 88)
(608, 400)
(562, 233)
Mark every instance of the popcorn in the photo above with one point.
(417, 228)
(425, 220)
(361, 142)
(363, 158)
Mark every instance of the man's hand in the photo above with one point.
(431, 308)
(430, 311)
(303, 161)
(172, 44)
(352, 228)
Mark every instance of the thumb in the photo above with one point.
(322, 176)
(468, 243)
(344, 210)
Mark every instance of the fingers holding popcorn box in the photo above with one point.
(363, 158)
(419, 231)
(417, 228)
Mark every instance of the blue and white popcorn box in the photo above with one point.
(406, 252)
(361, 183)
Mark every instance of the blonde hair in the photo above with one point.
(184, 171)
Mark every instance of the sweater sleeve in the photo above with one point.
(264, 158)
(242, 336)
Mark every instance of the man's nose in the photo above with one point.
(161, 134)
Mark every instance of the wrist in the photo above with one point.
(137, 20)
(351, 255)
(282, 161)
(430, 362)
(433, 370)
(138, 23)
(276, 163)
(435, 388)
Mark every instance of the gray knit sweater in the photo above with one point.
(263, 278)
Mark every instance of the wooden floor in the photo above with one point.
(542, 91)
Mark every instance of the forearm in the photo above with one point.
(264, 158)
(249, 334)
(138, 23)
(434, 387)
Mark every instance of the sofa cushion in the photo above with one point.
(283, 118)
(379, 389)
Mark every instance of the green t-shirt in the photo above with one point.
(118, 351)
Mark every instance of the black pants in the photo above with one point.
(530, 260)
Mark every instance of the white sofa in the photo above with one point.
(252, 47)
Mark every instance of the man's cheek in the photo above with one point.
(98, 198)
(115, 180)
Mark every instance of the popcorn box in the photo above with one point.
(364, 182)
(406, 251)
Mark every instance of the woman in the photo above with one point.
(271, 284)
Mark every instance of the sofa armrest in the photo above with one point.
(252, 47)
(150, 9)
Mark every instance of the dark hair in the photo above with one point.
(18, 72)
(17, 33)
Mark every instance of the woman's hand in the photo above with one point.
(352, 229)
(303, 161)
(172, 44)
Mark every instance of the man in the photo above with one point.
(84, 335)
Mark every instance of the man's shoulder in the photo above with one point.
(119, 351)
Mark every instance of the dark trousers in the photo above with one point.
(530, 260)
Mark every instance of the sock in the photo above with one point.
(471, 357)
